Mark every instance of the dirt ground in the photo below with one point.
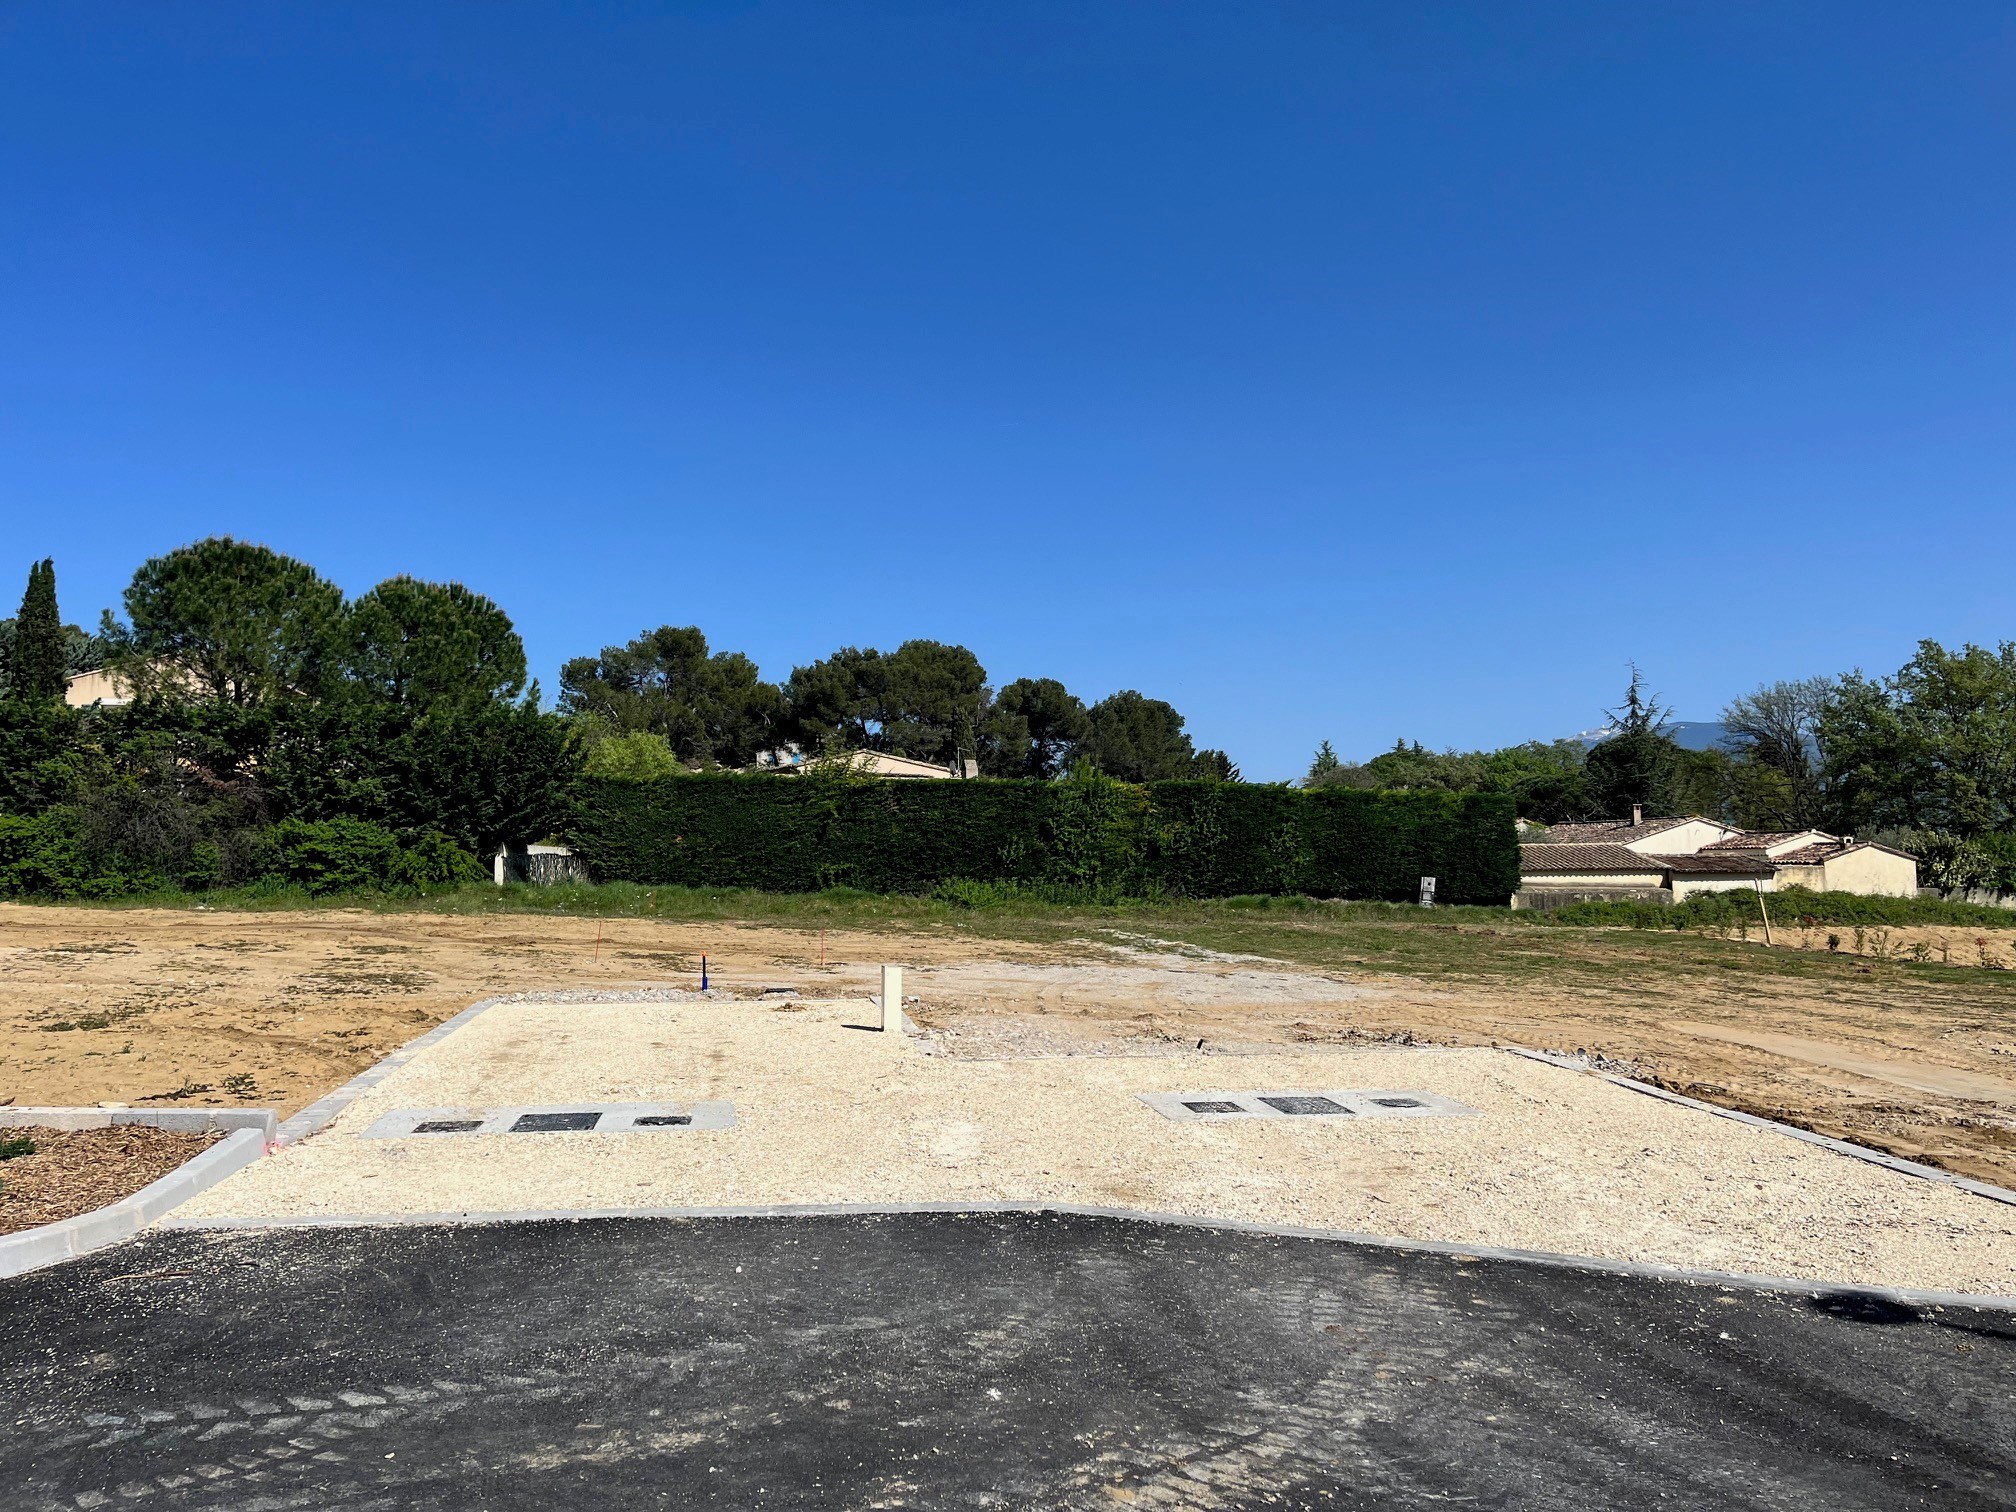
(192, 1007)
(75, 1171)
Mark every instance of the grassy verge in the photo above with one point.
(1662, 950)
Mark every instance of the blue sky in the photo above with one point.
(1346, 371)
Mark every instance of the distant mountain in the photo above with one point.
(1688, 734)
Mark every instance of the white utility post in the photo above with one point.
(892, 999)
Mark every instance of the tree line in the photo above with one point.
(1923, 759)
(276, 728)
(662, 702)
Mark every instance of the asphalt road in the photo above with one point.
(963, 1361)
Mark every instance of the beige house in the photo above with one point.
(1670, 860)
(1852, 866)
(97, 686)
(789, 760)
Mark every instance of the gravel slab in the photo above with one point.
(832, 1113)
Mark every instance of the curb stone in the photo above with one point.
(53, 1242)
(1805, 1136)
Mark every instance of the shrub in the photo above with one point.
(1788, 908)
(634, 756)
(335, 855)
(434, 860)
(1083, 837)
(46, 857)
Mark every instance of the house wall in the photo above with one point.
(1812, 878)
(1559, 881)
(1873, 872)
(1682, 840)
(87, 688)
(1544, 897)
(1685, 887)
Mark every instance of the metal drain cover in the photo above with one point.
(575, 1118)
(554, 1123)
(1354, 1103)
(1301, 1106)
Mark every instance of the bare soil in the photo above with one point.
(190, 1007)
(76, 1171)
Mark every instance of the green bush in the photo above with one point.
(1083, 838)
(354, 855)
(434, 860)
(1789, 908)
(47, 857)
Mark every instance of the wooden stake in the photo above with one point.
(1764, 911)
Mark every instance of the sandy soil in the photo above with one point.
(1948, 944)
(830, 1112)
(75, 1171)
(189, 1007)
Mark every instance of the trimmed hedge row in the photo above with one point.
(1192, 839)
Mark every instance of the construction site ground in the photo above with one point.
(194, 1007)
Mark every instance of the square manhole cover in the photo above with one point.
(1211, 1105)
(663, 1121)
(448, 1126)
(554, 1123)
(1304, 1104)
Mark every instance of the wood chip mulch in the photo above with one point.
(73, 1172)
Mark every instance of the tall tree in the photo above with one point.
(1032, 730)
(839, 701)
(1138, 739)
(1637, 764)
(925, 700)
(1774, 736)
(935, 700)
(1215, 766)
(1932, 747)
(37, 669)
(1322, 765)
(709, 708)
(228, 622)
(425, 645)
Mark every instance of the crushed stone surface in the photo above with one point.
(830, 1112)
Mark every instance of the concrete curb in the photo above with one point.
(178, 1120)
(1733, 1279)
(319, 1114)
(1805, 1136)
(54, 1242)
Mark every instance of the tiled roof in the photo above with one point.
(1811, 855)
(1716, 864)
(1608, 831)
(1755, 840)
(1545, 856)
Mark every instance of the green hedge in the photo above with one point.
(53, 856)
(1192, 839)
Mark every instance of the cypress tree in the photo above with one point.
(37, 673)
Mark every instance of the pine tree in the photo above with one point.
(1325, 763)
(39, 663)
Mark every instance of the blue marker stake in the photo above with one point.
(703, 972)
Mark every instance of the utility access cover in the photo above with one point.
(570, 1118)
(1336, 1105)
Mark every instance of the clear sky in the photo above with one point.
(1331, 370)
